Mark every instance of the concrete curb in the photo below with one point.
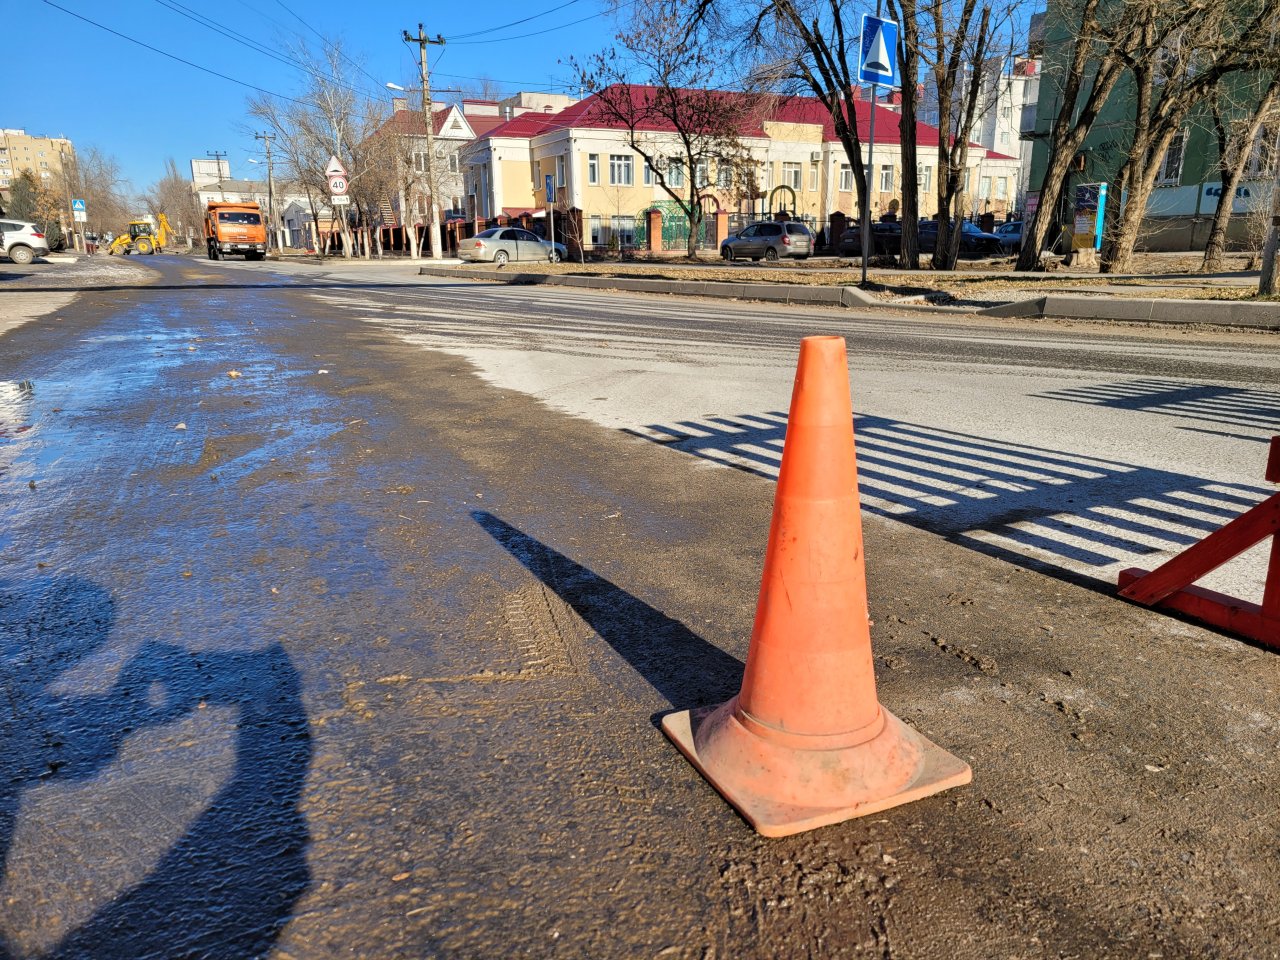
(1222, 313)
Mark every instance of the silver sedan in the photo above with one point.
(503, 245)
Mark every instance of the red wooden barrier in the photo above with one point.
(1169, 585)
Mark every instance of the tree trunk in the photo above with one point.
(1268, 286)
(909, 67)
(1232, 174)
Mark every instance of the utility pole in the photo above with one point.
(433, 216)
(218, 155)
(266, 139)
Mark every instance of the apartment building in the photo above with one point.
(46, 157)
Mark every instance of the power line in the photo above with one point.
(538, 33)
(513, 23)
(171, 56)
(327, 43)
(255, 45)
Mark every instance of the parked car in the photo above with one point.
(1010, 235)
(886, 238)
(972, 240)
(22, 241)
(503, 245)
(769, 240)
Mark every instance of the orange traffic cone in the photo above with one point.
(805, 743)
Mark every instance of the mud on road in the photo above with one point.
(353, 654)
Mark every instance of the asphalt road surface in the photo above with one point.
(337, 611)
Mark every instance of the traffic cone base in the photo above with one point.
(782, 787)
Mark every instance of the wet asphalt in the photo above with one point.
(313, 645)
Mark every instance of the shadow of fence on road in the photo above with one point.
(1080, 517)
(1223, 405)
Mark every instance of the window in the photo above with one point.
(965, 184)
(1171, 166)
(1006, 112)
(420, 162)
(453, 163)
(647, 175)
(624, 230)
(251, 219)
(768, 176)
(791, 175)
(702, 174)
(1004, 138)
(597, 230)
(593, 168)
(724, 174)
(886, 178)
(846, 178)
(675, 174)
(620, 169)
(560, 171)
(984, 187)
(924, 177)
(813, 178)
(1002, 188)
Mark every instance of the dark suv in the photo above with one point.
(972, 240)
(769, 240)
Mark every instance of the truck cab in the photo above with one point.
(235, 228)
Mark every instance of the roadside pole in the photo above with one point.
(551, 210)
(878, 67)
(428, 119)
(867, 174)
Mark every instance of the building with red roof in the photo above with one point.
(789, 162)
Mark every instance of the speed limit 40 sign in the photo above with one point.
(337, 184)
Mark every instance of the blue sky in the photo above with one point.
(102, 90)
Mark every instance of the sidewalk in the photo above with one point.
(1095, 302)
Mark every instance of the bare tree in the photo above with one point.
(1102, 41)
(908, 53)
(172, 195)
(1237, 127)
(95, 178)
(956, 43)
(678, 126)
(1183, 53)
(326, 120)
(803, 46)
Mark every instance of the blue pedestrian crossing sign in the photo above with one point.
(878, 52)
(77, 206)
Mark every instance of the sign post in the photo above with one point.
(878, 66)
(551, 210)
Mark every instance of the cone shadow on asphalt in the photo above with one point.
(685, 669)
(228, 885)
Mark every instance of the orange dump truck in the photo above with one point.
(235, 228)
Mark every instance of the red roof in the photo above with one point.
(809, 110)
(409, 122)
(483, 125)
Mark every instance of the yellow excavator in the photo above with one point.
(141, 238)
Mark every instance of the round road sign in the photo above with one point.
(337, 185)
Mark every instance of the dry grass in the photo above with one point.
(933, 285)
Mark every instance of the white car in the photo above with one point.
(22, 241)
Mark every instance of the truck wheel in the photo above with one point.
(213, 252)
